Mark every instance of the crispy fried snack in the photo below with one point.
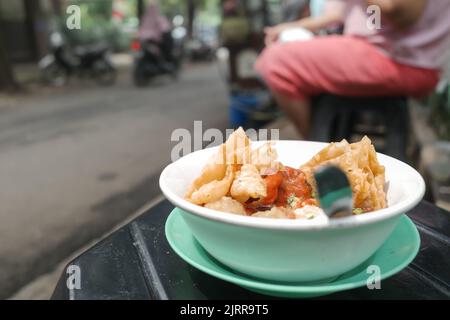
(232, 153)
(248, 184)
(227, 204)
(275, 213)
(359, 161)
(265, 157)
(213, 190)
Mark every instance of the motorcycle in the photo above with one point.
(61, 64)
(199, 50)
(154, 59)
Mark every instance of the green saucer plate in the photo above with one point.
(394, 255)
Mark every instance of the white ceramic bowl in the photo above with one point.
(292, 250)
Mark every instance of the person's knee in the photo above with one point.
(268, 61)
(273, 71)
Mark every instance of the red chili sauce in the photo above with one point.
(285, 188)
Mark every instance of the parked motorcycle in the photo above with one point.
(83, 61)
(199, 50)
(154, 59)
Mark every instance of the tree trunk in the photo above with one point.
(36, 25)
(57, 8)
(140, 9)
(190, 17)
(7, 80)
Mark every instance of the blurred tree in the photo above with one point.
(140, 8)
(191, 8)
(33, 20)
(97, 25)
(57, 7)
(188, 8)
(7, 80)
(101, 8)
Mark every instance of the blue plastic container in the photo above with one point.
(240, 108)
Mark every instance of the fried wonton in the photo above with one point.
(235, 176)
(265, 157)
(231, 153)
(275, 213)
(248, 184)
(213, 190)
(227, 204)
(359, 161)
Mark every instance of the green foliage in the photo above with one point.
(174, 7)
(96, 26)
(98, 7)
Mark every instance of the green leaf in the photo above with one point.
(292, 200)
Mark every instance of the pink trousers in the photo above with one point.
(341, 65)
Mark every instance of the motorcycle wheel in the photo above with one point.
(105, 73)
(177, 63)
(140, 77)
(175, 73)
(54, 74)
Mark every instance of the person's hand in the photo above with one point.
(272, 33)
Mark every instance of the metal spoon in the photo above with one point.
(334, 191)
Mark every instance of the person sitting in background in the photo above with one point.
(403, 56)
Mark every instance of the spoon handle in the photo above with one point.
(334, 191)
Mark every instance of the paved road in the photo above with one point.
(73, 164)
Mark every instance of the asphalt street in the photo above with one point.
(76, 162)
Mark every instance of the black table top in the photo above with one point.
(136, 262)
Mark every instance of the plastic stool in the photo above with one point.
(336, 118)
